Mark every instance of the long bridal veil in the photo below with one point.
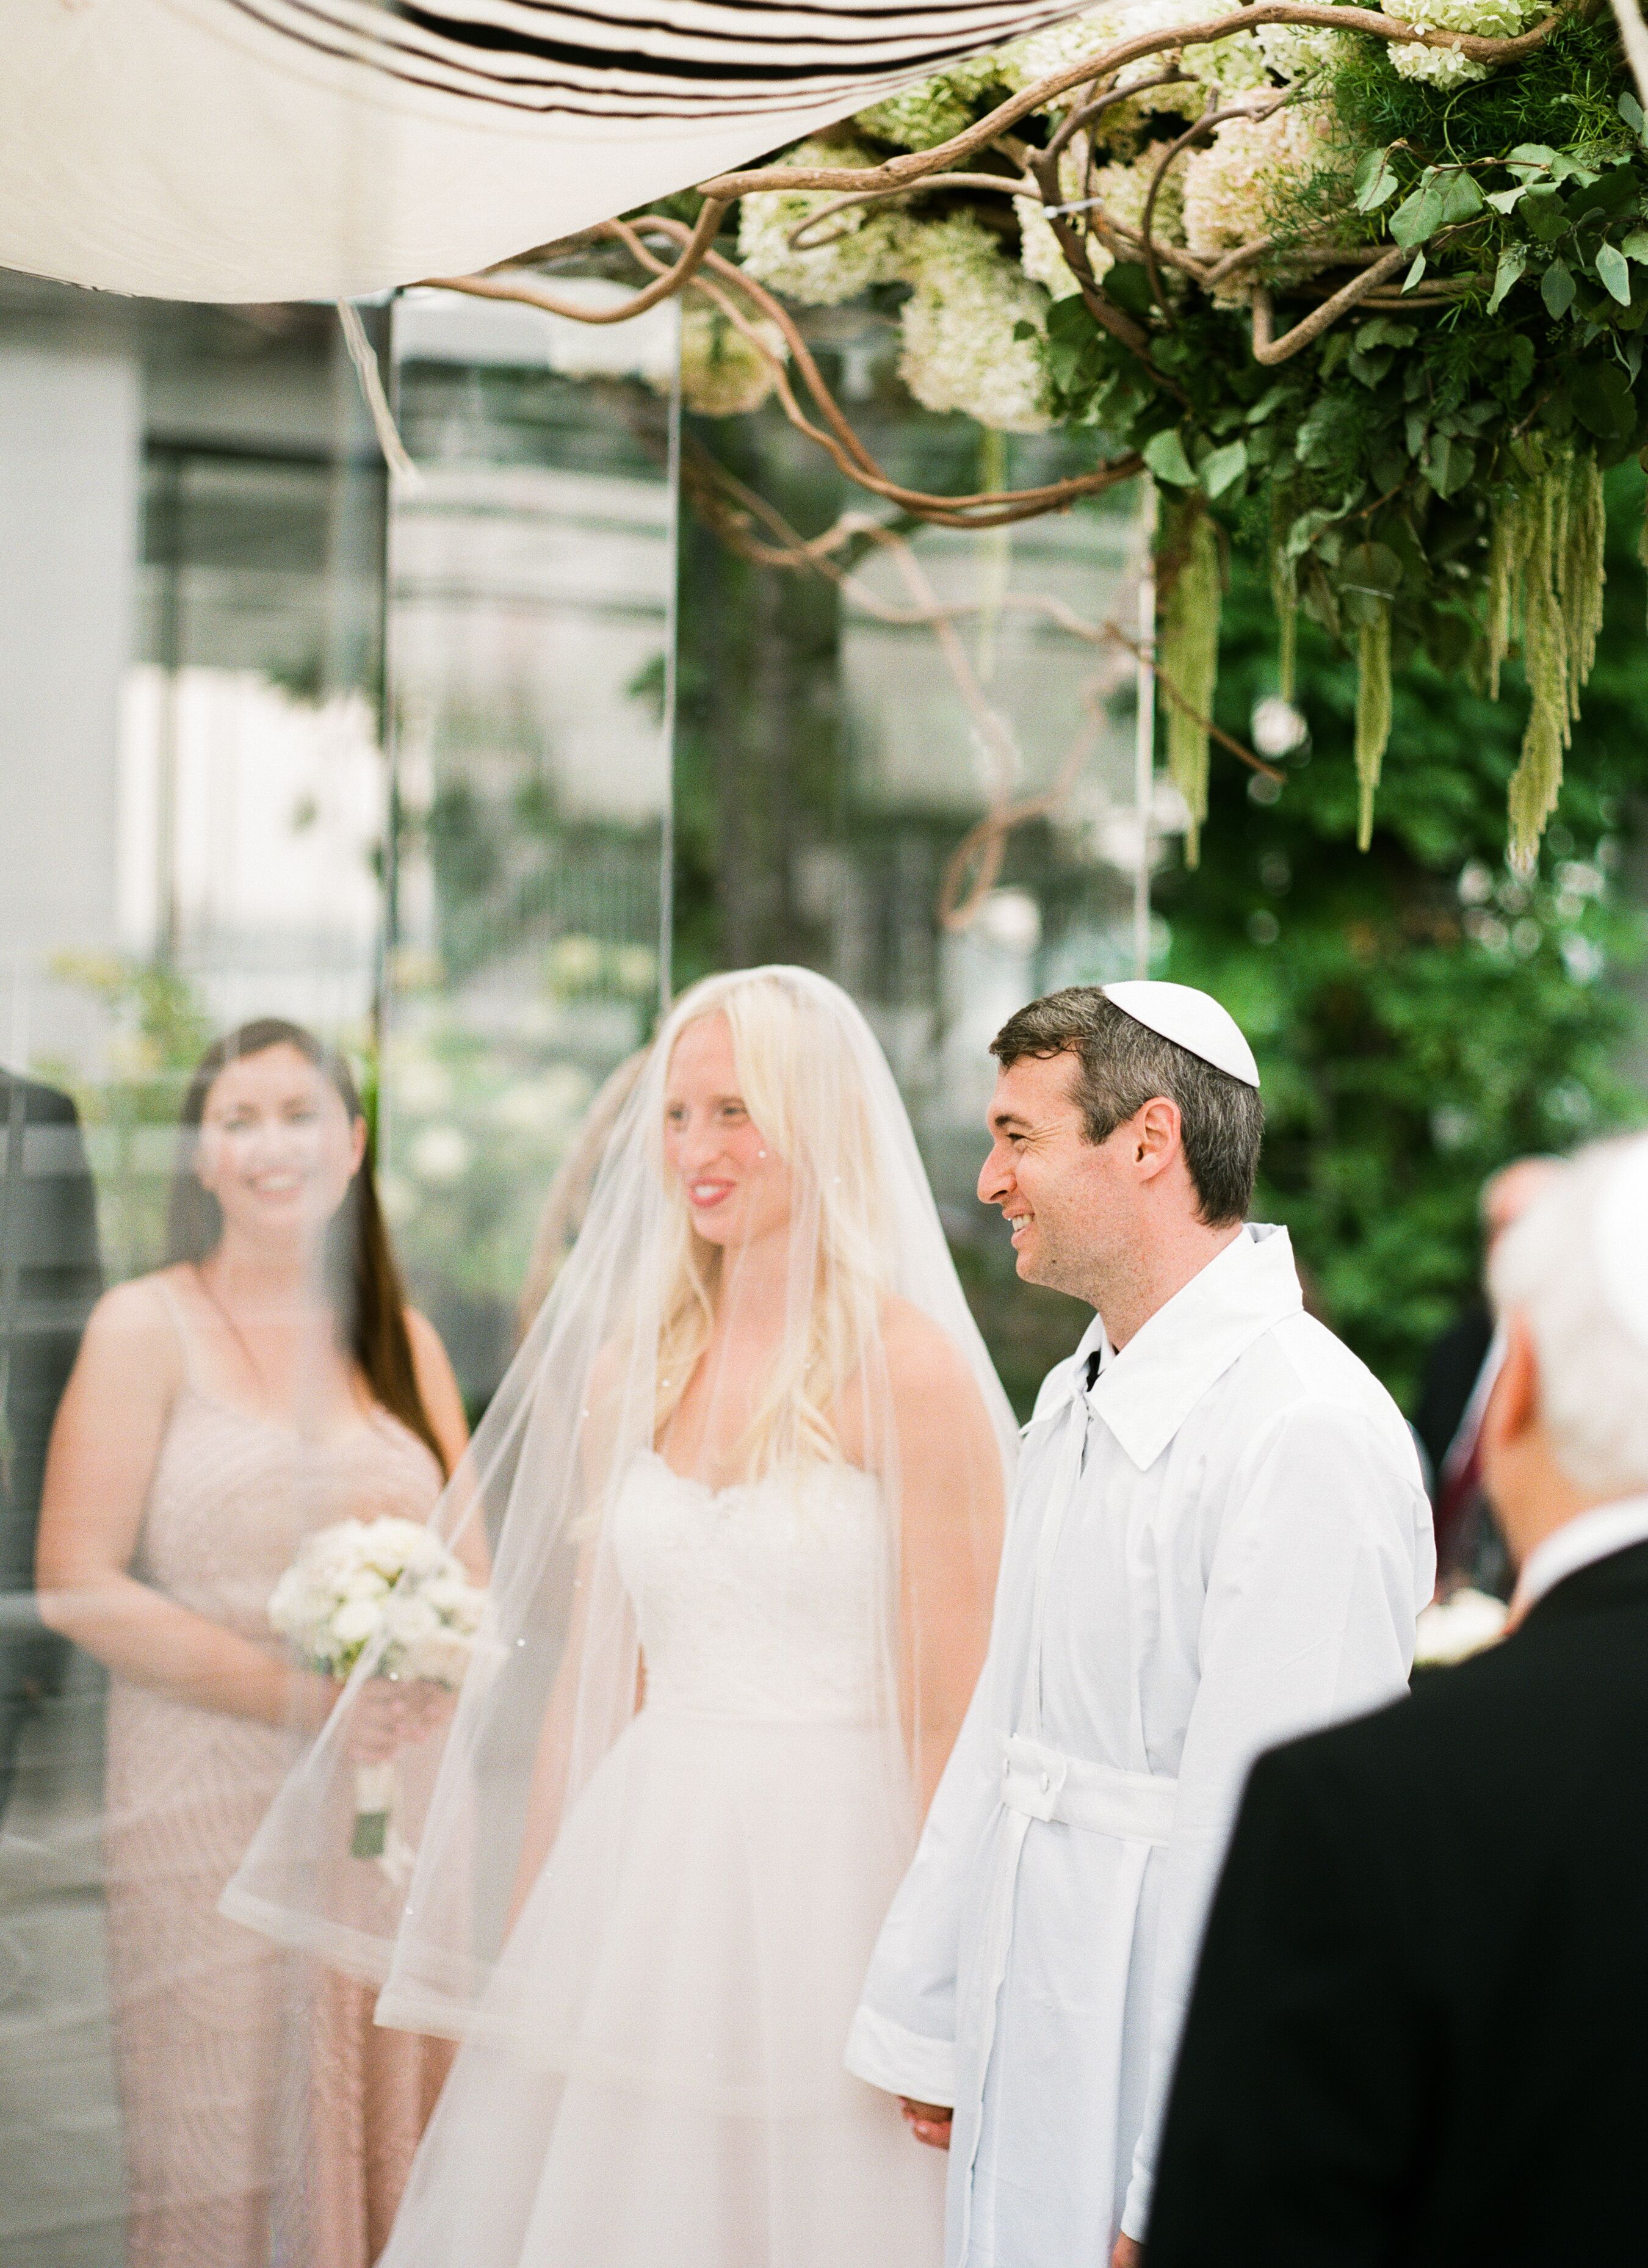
(873, 1361)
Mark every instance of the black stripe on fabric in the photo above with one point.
(603, 104)
(494, 39)
(994, 21)
(694, 57)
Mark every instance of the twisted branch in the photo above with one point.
(910, 165)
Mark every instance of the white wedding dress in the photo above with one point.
(687, 1965)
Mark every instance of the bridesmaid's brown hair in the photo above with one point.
(361, 1279)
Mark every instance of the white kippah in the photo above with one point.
(1193, 1020)
(1620, 1234)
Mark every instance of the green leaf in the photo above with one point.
(1542, 210)
(1269, 402)
(1603, 401)
(1611, 268)
(1375, 180)
(1414, 272)
(1566, 168)
(1635, 247)
(1462, 199)
(1384, 331)
(1449, 463)
(1129, 284)
(1631, 111)
(1507, 201)
(1419, 214)
(1536, 156)
(1557, 289)
(1373, 569)
(1164, 454)
(1513, 261)
(1223, 468)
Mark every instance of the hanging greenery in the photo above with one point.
(1190, 578)
(1369, 290)
(1370, 299)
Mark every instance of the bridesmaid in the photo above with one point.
(269, 1383)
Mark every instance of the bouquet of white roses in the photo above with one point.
(391, 1584)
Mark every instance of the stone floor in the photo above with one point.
(61, 2172)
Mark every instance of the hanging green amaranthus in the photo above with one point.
(1545, 579)
(1372, 712)
(1285, 599)
(1190, 577)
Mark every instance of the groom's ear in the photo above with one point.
(1156, 1136)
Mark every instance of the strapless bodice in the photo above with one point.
(763, 1600)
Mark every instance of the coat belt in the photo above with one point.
(1042, 1784)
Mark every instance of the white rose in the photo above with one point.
(409, 1620)
(355, 1622)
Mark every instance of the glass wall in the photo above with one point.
(195, 801)
(466, 773)
(531, 573)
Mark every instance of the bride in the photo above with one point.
(749, 1468)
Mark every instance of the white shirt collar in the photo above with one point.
(1579, 1543)
(1145, 1392)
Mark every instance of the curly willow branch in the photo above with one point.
(697, 262)
(732, 509)
(990, 508)
(912, 166)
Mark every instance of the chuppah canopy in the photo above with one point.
(260, 149)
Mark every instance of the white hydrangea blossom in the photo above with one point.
(1121, 187)
(1299, 51)
(960, 351)
(722, 373)
(1042, 52)
(1040, 254)
(868, 244)
(921, 117)
(1491, 19)
(1230, 186)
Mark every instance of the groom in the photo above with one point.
(1219, 1538)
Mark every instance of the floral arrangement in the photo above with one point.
(1369, 300)
(1452, 1628)
(392, 1586)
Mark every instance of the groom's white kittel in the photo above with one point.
(1220, 1537)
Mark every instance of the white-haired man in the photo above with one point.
(1420, 2027)
(1219, 1536)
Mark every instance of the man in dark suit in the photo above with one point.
(49, 1277)
(1419, 2031)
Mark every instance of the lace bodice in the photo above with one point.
(761, 1600)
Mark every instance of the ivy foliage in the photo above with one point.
(1421, 1013)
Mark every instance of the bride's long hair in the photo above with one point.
(800, 1082)
(558, 1472)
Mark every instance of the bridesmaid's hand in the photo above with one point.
(389, 1714)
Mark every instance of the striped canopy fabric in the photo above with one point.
(240, 149)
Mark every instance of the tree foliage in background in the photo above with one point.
(1421, 1015)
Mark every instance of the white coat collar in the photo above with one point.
(1145, 1392)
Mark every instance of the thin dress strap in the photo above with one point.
(174, 1307)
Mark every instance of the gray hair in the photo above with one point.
(1592, 1369)
(1122, 1065)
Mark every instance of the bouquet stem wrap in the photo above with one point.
(374, 1808)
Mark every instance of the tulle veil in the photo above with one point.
(557, 1673)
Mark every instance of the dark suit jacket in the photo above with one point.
(48, 1278)
(1419, 2033)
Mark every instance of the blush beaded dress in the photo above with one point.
(266, 2118)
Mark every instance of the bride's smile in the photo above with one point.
(737, 1188)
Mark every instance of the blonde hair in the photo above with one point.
(804, 1087)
